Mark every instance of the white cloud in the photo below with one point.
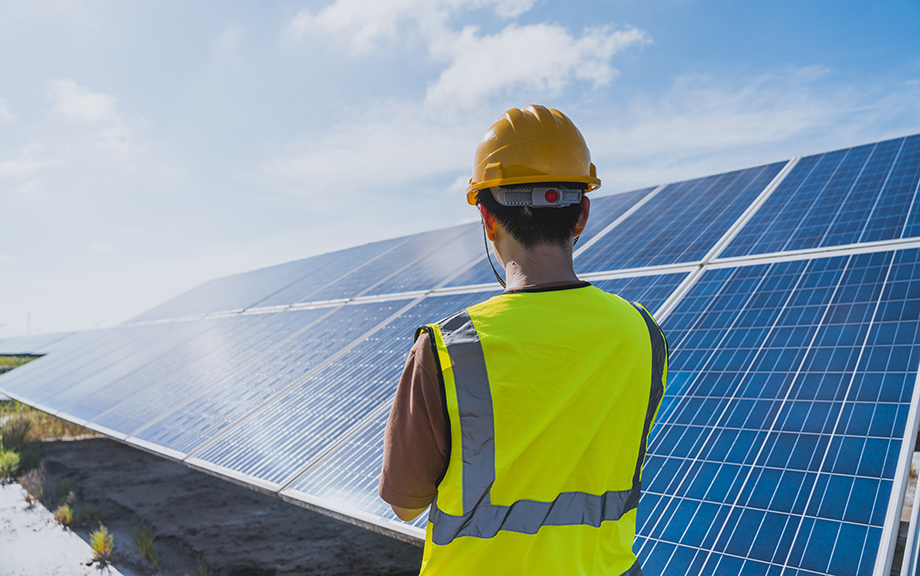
(27, 161)
(705, 125)
(367, 25)
(533, 57)
(78, 103)
(95, 110)
(391, 147)
(540, 57)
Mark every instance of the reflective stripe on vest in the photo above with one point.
(481, 518)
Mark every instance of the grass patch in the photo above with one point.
(21, 424)
(9, 464)
(16, 361)
(103, 544)
(143, 540)
(64, 515)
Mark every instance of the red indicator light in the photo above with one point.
(551, 196)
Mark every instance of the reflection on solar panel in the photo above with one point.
(790, 294)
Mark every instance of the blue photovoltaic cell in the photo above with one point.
(237, 344)
(861, 194)
(349, 476)
(403, 257)
(458, 252)
(681, 223)
(83, 354)
(288, 433)
(119, 388)
(298, 270)
(38, 344)
(336, 272)
(604, 210)
(141, 355)
(208, 297)
(782, 423)
(234, 397)
(650, 291)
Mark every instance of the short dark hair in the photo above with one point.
(534, 226)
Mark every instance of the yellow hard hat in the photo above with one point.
(530, 146)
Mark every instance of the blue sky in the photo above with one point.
(148, 147)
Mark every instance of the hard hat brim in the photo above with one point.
(473, 189)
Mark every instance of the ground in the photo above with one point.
(232, 530)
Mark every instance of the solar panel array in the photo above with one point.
(789, 292)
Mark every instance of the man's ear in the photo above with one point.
(488, 221)
(583, 219)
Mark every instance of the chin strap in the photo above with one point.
(485, 240)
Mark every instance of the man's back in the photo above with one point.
(547, 430)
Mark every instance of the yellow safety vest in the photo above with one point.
(550, 397)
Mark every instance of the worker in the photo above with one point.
(523, 420)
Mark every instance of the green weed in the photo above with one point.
(203, 569)
(16, 361)
(64, 515)
(26, 424)
(9, 464)
(14, 432)
(102, 544)
(143, 540)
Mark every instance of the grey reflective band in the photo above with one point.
(474, 400)
(528, 516)
(481, 518)
(656, 391)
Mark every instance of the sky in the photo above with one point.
(147, 147)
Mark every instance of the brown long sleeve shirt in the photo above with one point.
(415, 453)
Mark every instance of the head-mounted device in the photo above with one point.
(537, 196)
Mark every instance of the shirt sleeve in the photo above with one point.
(415, 444)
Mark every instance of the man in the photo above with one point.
(523, 420)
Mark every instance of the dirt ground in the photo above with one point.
(231, 530)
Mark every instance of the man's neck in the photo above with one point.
(541, 265)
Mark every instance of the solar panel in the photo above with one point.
(288, 433)
(38, 344)
(350, 264)
(204, 415)
(113, 391)
(436, 266)
(862, 194)
(790, 294)
(397, 262)
(680, 224)
(141, 402)
(213, 295)
(779, 439)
